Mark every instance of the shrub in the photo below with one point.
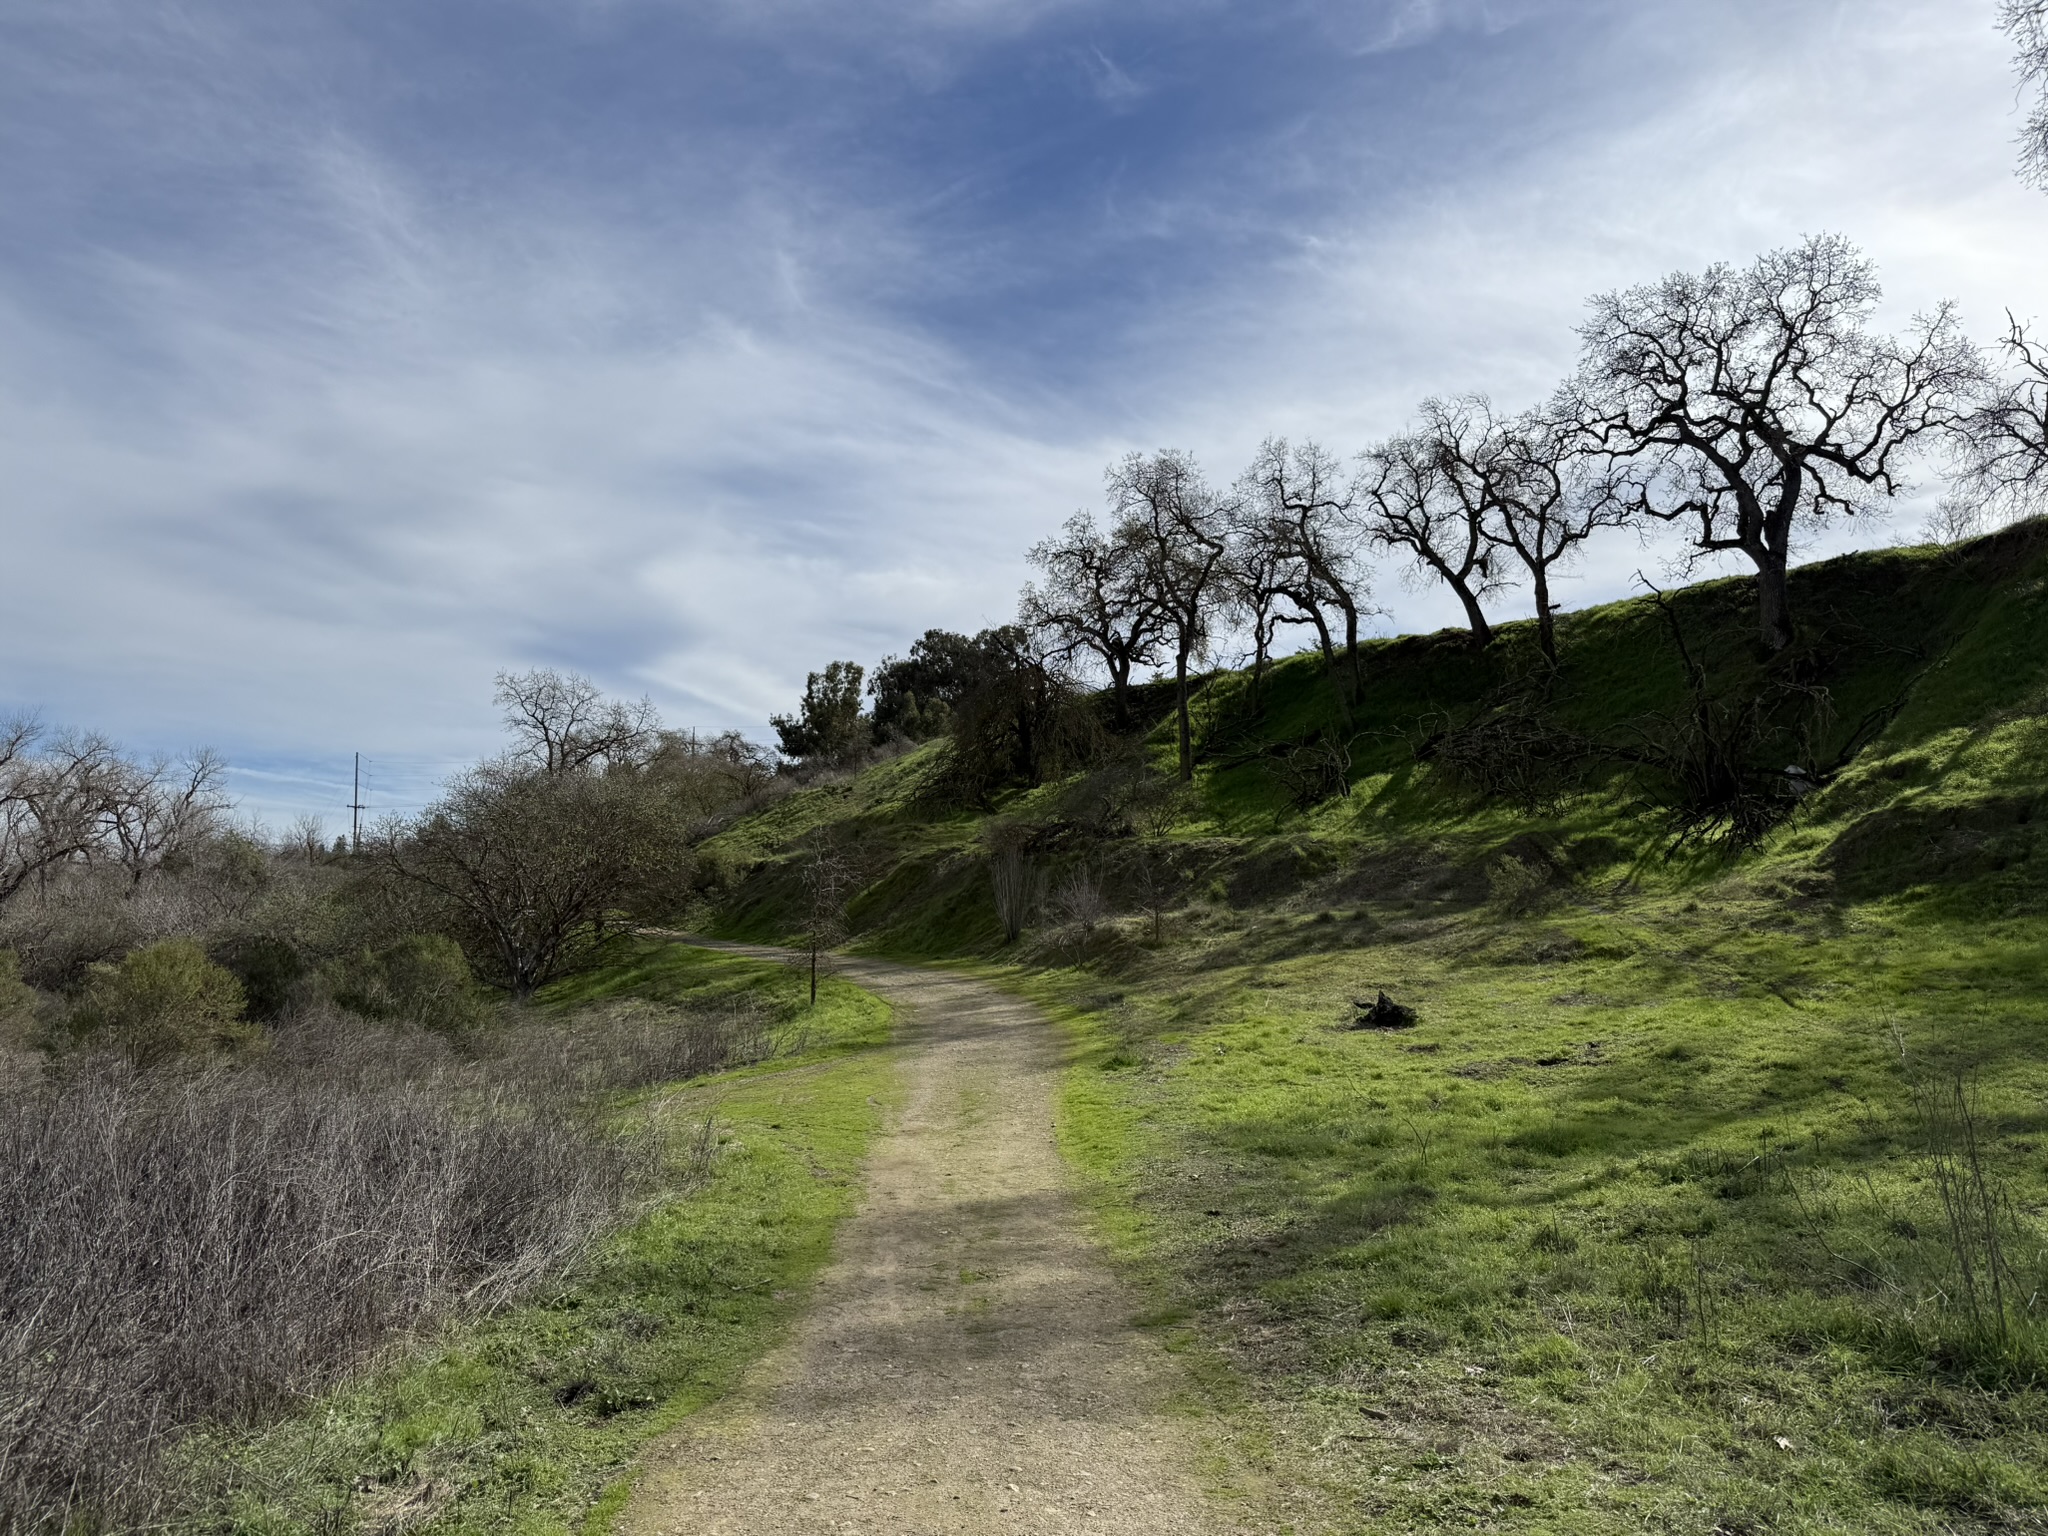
(215, 1245)
(423, 979)
(17, 1002)
(1518, 887)
(160, 1002)
(525, 869)
(1016, 885)
(269, 970)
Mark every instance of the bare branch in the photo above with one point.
(2026, 23)
(562, 721)
(1179, 525)
(2000, 463)
(1754, 403)
(1421, 494)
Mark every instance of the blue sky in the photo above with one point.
(350, 352)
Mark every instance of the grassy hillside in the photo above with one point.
(1707, 1187)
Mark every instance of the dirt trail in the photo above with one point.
(969, 1363)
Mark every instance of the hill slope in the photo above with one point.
(1705, 1188)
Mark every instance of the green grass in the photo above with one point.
(1636, 1227)
(846, 1018)
(528, 1421)
(1581, 1247)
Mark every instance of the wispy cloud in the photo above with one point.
(1112, 84)
(1397, 24)
(344, 364)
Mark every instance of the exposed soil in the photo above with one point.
(969, 1363)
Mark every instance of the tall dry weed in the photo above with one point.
(213, 1246)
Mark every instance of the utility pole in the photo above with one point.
(355, 805)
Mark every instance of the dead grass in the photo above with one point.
(214, 1245)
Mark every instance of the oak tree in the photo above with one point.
(1421, 496)
(1541, 493)
(1752, 403)
(2001, 458)
(1179, 525)
(1298, 503)
(1095, 597)
(562, 721)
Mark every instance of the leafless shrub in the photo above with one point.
(1161, 805)
(632, 1043)
(1513, 750)
(1154, 884)
(183, 1248)
(1081, 901)
(1312, 772)
(1016, 889)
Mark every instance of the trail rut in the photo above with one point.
(969, 1362)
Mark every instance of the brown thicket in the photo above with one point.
(216, 1244)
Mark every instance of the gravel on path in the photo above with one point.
(969, 1362)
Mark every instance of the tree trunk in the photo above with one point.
(1120, 693)
(1261, 637)
(1773, 600)
(1770, 546)
(1329, 648)
(1546, 625)
(1187, 735)
(1482, 632)
(1351, 646)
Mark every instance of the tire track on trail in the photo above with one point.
(968, 1363)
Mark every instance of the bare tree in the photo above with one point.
(1751, 403)
(1251, 585)
(562, 721)
(1541, 493)
(1178, 524)
(158, 810)
(525, 866)
(54, 803)
(1299, 503)
(2001, 462)
(305, 840)
(2026, 23)
(828, 880)
(1095, 597)
(1421, 496)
